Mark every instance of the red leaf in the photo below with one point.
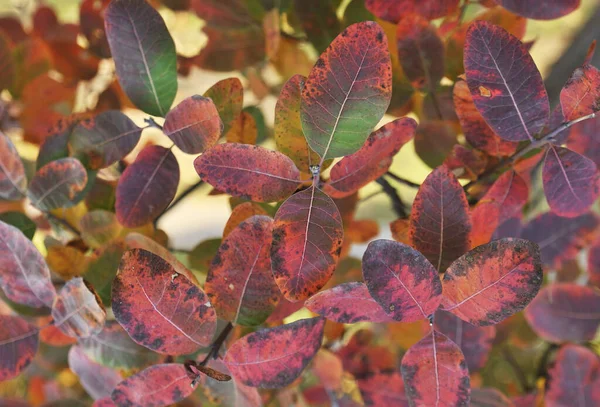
(25, 277)
(18, 345)
(78, 311)
(347, 303)
(439, 223)
(582, 139)
(466, 163)
(434, 141)
(593, 263)
(477, 132)
(105, 402)
(395, 10)
(250, 172)
(156, 386)
(475, 342)
(57, 184)
(228, 97)
(239, 283)
(493, 281)
(434, 372)
(550, 9)
(581, 94)
(574, 379)
(307, 241)
(571, 182)
(275, 357)
(12, 173)
(565, 312)
(560, 239)
(240, 213)
(328, 368)
(401, 280)
(383, 389)
(147, 186)
(506, 86)
(373, 159)
(348, 91)
(421, 51)
(194, 124)
(97, 380)
(489, 397)
(319, 21)
(160, 309)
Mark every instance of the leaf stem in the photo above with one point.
(152, 123)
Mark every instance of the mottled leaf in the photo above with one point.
(434, 372)
(549, 10)
(99, 227)
(228, 97)
(307, 240)
(581, 94)
(165, 312)
(347, 92)
(194, 124)
(383, 389)
(144, 54)
(24, 275)
(582, 139)
(20, 221)
(439, 223)
(370, 162)
(18, 345)
(251, 172)
(147, 186)
(99, 381)
(564, 312)
(571, 182)
(319, 21)
(395, 10)
(57, 184)
(240, 213)
(510, 96)
(401, 280)
(156, 386)
(275, 357)
(12, 173)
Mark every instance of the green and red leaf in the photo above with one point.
(18, 345)
(12, 173)
(228, 97)
(57, 184)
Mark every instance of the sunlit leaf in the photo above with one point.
(12, 173)
(99, 381)
(548, 10)
(244, 129)
(57, 184)
(66, 261)
(18, 345)
(394, 10)
(228, 97)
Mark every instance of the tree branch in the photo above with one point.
(397, 203)
(64, 223)
(402, 180)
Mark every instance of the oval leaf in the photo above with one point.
(12, 173)
(506, 86)
(57, 184)
(194, 124)
(145, 59)
(147, 186)
(18, 345)
(20, 221)
(97, 380)
(383, 389)
(348, 91)
(581, 94)
(165, 312)
(250, 172)
(24, 275)
(493, 281)
(307, 241)
(549, 10)
(274, 357)
(228, 97)
(401, 280)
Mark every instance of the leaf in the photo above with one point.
(156, 386)
(319, 20)
(194, 124)
(439, 223)
(18, 345)
(104, 139)
(102, 268)
(97, 380)
(401, 280)
(21, 222)
(582, 139)
(274, 357)
(395, 10)
(347, 92)
(244, 130)
(12, 173)
(383, 389)
(240, 213)
(66, 261)
(373, 159)
(145, 58)
(571, 182)
(147, 186)
(165, 312)
(239, 283)
(250, 172)
(57, 184)
(77, 310)
(104, 402)
(434, 142)
(7, 67)
(489, 397)
(91, 18)
(476, 130)
(475, 342)
(421, 51)
(560, 239)
(509, 95)
(99, 227)
(433, 370)
(24, 276)
(228, 97)
(564, 312)
(574, 378)
(581, 94)
(307, 241)
(493, 281)
(231, 393)
(549, 10)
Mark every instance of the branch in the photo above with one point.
(213, 353)
(152, 123)
(397, 203)
(64, 223)
(402, 180)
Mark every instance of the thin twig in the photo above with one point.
(64, 223)
(213, 353)
(152, 123)
(402, 180)
(390, 191)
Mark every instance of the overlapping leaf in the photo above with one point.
(394, 10)
(547, 10)
(434, 142)
(347, 92)
(228, 97)
(582, 139)
(510, 96)
(12, 173)
(319, 21)
(275, 357)
(383, 389)
(99, 381)
(99, 227)
(18, 345)
(57, 184)
(165, 312)
(20, 221)
(307, 240)
(230, 393)
(240, 213)
(581, 94)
